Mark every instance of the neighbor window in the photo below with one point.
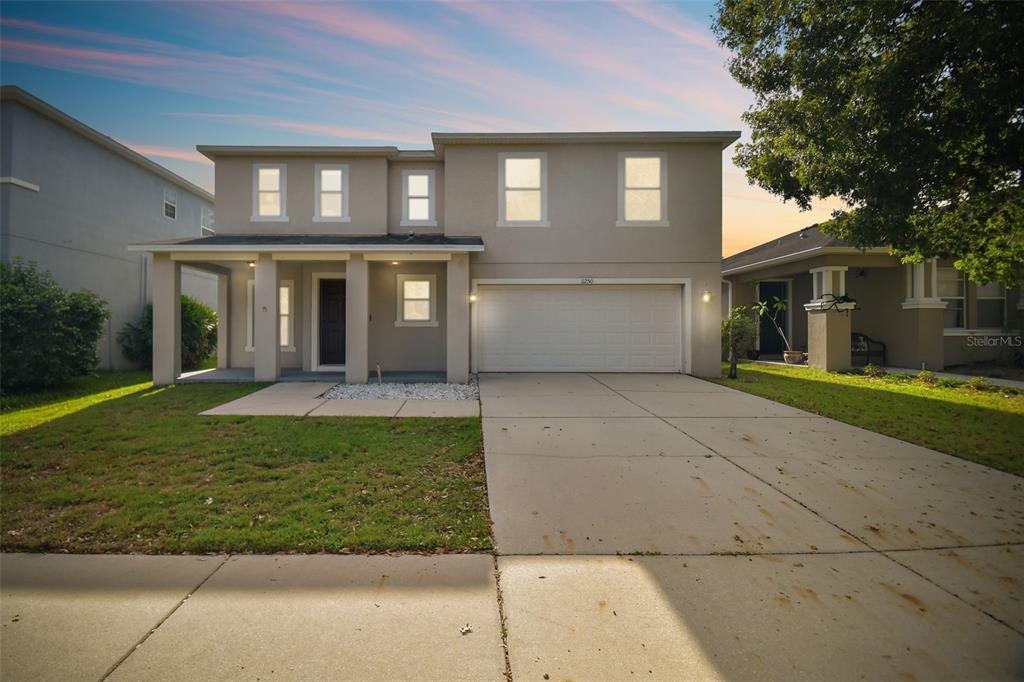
(269, 192)
(331, 194)
(522, 180)
(951, 290)
(417, 301)
(991, 305)
(170, 204)
(418, 197)
(643, 199)
(285, 315)
(206, 221)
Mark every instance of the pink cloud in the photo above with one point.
(666, 19)
(325, 130)
(159, 152)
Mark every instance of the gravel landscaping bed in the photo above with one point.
(399, 391)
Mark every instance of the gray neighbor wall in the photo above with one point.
(91, 204)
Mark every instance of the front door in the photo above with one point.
(771, 342)
(332, 322)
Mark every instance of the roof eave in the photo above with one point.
(157, 247)
(804, 255)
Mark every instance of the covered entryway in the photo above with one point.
(579, 328)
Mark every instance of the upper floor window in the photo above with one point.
(331, 194)
(991, 305)
(643, 195)
(269, 198)
(523, 189)
(418, 198)
(170, 204)
(206, 220)
(951, 290)
(416, 301)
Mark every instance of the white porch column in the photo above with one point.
(357, 319)
(166, 319)
(223, 320)
(266, 332)
(828, 323)
(457, 332)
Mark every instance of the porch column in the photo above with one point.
(166, 319)
(223, 319)
(457, 332)
(828, 323)
(920, 346)
(266, 331)
(357, 319)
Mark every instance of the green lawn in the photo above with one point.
(114, 465)
(981, 426)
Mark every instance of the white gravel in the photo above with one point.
(397, 391)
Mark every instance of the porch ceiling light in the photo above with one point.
(705, 296)
(252, 264)
(394, 262)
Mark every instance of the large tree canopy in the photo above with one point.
(910, 112)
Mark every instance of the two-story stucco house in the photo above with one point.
(73, 199)
(490, 252)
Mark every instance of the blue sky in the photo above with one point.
(164, 77)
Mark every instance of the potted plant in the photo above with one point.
(771, 311)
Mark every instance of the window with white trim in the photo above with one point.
(285, 315)
(269, 199)
(951, 290)
(170, 204)
(523, 189)
(418, 198)
(643, 191)
(416, 301)
(991, 302)
(206, 220)
(331, 193)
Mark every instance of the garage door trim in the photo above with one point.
(685, 282)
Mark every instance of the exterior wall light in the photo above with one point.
(472, 298)
(705, 296)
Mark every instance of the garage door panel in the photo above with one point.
(625, 328)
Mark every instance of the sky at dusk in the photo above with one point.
(164, 77)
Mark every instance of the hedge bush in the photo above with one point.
(198, 335)
(48, 335)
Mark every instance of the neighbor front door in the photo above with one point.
(332, 322)
(771, 342)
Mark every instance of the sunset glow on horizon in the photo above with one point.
(164, 77)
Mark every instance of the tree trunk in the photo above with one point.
(732, 352)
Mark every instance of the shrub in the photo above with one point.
(743, 327)
(48, 335)
(874, 371)
(979, 384)
(927, 377)
(198, 335)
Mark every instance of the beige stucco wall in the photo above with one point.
(240, 276)
(367, 183)
(395, 169)
(404, 348)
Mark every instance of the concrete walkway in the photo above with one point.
(302, 399)
(655, 527)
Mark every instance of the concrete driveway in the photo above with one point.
(788, 545)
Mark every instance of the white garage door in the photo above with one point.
(579, 328)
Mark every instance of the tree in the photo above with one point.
(738, 333)
(910, 112)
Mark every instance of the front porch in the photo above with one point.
(315, 308)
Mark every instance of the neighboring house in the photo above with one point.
(928, 315)
(73, 199)
(491, 252)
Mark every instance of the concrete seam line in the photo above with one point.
(817, 514)
(502, 622)
(163, 620)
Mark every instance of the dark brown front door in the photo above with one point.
(332, 322)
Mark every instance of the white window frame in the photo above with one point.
(282, 189)
(206, 220)
(990, 298)
(543, 222)
(250, 314)
(400, 320)
(431, 197)
(344, 217)
(962, 297)
(170, 199)
(621, 221)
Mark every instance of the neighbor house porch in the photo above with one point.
(330, 308)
